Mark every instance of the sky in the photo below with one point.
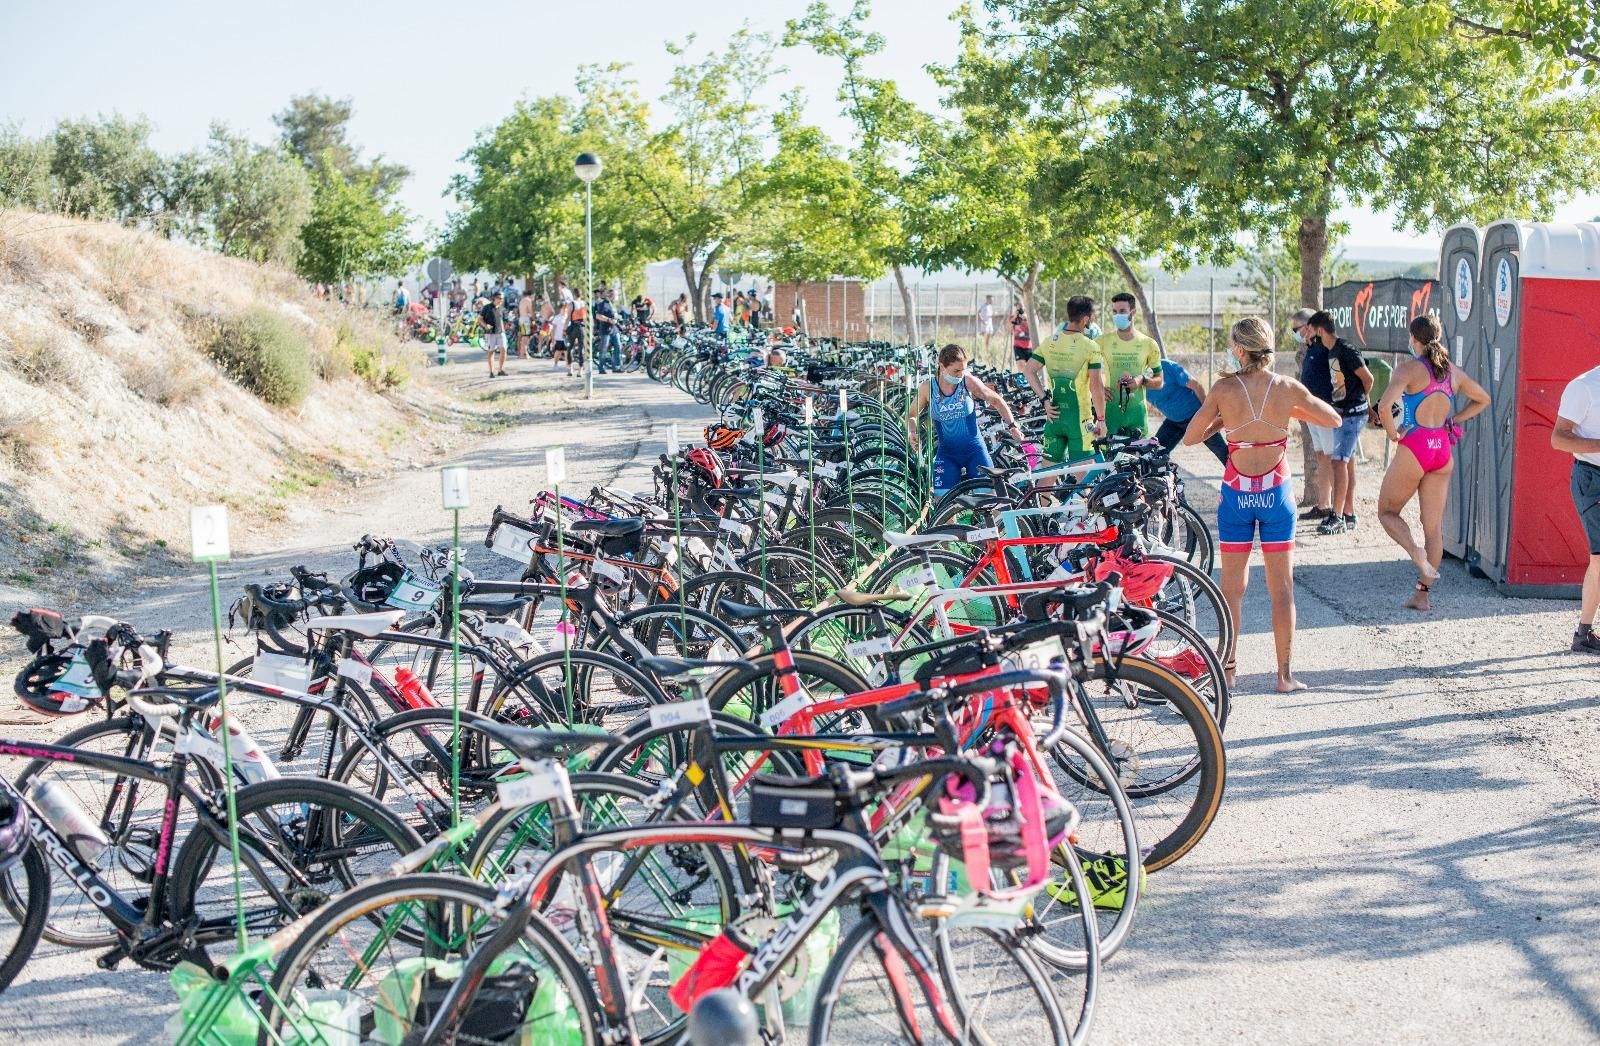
(425, 78)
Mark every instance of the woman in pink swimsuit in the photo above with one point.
(1426, 430)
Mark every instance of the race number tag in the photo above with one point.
(983, 534)
(358, 672)
(826, 471)
(1039, 655)
(677, 713)
(877, 646)
(543, 781)
(734, 527)
(774, 717)
(414, 593)
(282, 671)
(775, 498)
(922, 577)
(513, 543)
(507, 632)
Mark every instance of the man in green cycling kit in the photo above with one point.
(1075, 399)
(1132, 364)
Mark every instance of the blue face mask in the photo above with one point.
(1093, 330)
(1121, 322)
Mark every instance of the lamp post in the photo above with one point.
(587, 168)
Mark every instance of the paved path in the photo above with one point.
(1409, 852)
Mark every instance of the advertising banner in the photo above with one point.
(1374, 314)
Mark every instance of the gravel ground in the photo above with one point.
(1364, 880)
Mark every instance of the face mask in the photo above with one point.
(1093, 330)
(952, 379)
(1122, 323)
(1299, 339)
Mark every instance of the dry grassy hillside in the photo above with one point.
(116, 415)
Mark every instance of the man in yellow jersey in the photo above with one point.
(1076, 396)
(1132, 364)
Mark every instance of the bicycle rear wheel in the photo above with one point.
(25, 900)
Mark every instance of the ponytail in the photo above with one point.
(1426, 330)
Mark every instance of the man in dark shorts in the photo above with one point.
(494, 332)
(1577, 432)
(1351, 380)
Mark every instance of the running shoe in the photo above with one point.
(1586, 642)
(1315, 513)
(1331, 525)
(1107, 877)
(1349, 522)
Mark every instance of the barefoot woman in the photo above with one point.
(1253, 411)
(1427, 433)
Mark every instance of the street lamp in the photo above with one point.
(587, 168)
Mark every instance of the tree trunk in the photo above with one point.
(1146, 306)
(913, 326)
(1313, 242)
(693, 286)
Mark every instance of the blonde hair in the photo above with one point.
(1254, 335)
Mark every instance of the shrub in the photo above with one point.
(41, 356)
(266, 353)
(379, 374)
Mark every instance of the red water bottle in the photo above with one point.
(717, 967)
(412, 690)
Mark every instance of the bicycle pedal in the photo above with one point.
(111, 959)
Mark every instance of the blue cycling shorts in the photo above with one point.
(1242, 514)
(955, 462)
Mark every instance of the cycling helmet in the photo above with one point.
(1130, 631)
(14, 829)
(369, 588)
(720, 436)
(1115, 495)
(1020, 816)
(1141, 582)
(775, 434)
(55, 684)
(706, 465)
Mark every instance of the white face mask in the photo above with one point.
(951, 379)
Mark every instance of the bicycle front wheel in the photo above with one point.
(389, 951)
(24, 903)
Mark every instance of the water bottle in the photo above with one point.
(249, 760)
(70, 820)
(413, 691)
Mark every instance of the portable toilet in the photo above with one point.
(1461, 316)
(1541, 327)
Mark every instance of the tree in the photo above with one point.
(696, 180)
(1273, 273)
(25, 170)
(1560, 36)
(818, 218)
(355, 230)
(105, 168)
(1263, 116)
(888, 132)
(315, 128)
(254, 200)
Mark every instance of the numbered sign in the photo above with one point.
(844, 402)
(208, 533)
(672, 440)
(453, 486)
(810, 411)
(555, 465)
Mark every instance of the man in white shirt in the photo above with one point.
(1577, 432)
(986, 321)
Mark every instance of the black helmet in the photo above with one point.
(55, 684)
(369, 587)
(1116, 495)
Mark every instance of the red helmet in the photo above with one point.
(706, 464)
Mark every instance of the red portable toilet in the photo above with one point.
(1541, 327)
(1461, 310)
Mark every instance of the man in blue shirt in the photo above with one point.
(607, 348)
(721, 315)
(1178, 397)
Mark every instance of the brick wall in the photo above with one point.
(835, 309)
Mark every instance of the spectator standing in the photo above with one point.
(512, 295)
(720, 316)
(525, 325)
(986, 321)
(1132, 365)
(493, 317)
(577, 333)
(607, 347)
(1178, 397)
(1350, 380)
(679, 311)
(560, 317)
(643, 308)
(1314, 375)
(767, 312)
(1577, 432)
(1021, 336)
(401, 299)
(1066, 372)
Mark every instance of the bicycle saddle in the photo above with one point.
(851, 598)
(932, 536)
(743, 612)
(368, 625)
(549, 742)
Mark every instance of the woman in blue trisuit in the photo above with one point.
(953, 395)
